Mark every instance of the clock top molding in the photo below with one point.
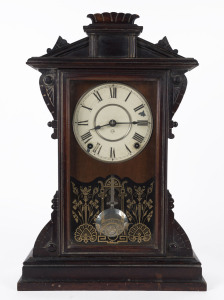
(112, 44)
(113, 37)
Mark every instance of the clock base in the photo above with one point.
(158, 274)
(115, 286)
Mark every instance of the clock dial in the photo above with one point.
(112, 122)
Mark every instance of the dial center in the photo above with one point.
(112, 123)
(109, 116)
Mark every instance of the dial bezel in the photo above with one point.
(76, 133)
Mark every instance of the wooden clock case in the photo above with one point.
(112, 52)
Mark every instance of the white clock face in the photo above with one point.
(112, 122)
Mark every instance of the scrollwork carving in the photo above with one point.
(178, 88)
(48, 91)
(178, 241)
(45, 244)
(181, 238)
(178, 85)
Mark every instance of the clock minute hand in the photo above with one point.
(134, 122)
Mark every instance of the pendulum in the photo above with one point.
(112, 221)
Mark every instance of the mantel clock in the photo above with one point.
(112, 96)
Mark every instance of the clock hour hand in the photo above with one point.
(99, 126)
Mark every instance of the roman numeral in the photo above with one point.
(113, 92)
(128, 149)
(142, 123)
(128, 96)
(138, 107)
(97, 95)
(138, 137)
(86, 107)
(86, 137)
(98, 152)
(97, 148)
(82, 122)
(112, 153)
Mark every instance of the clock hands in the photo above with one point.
(99, 126)
(134, 122)
(113, 123)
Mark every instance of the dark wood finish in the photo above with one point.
(48, 90)
(109, 286)
(157, 71)
(118, 40)
(116, 274)
(146, 165)
(181, 64)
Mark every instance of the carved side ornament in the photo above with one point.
(178, 88)
(178, 85)
(46, 244)
(178, 241)
(48, 89)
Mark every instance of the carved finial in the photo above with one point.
(59, 44)
(113, 17)
(163, 43)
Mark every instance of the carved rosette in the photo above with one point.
(48, 90)
(85, 233)
(139, 233)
